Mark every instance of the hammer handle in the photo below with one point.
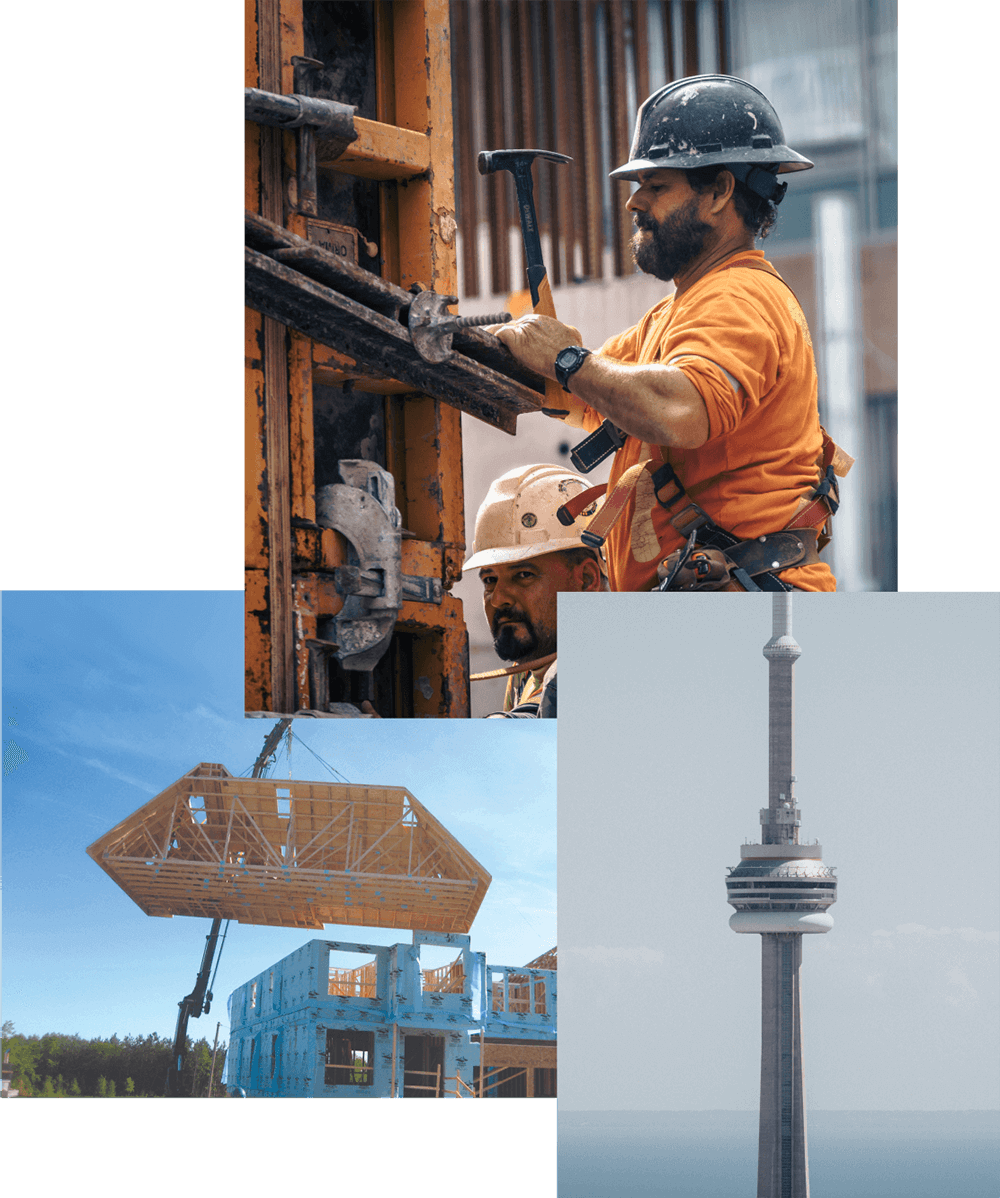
(545, 305)
(556, 399)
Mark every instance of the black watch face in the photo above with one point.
(566, 358)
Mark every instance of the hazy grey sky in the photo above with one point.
(662, 772)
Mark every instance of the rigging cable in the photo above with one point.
(336, 773)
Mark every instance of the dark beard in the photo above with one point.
(675, 241)
(514, 642)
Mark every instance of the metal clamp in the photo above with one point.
(372, 582)
(311, 118)
(362, 510)
(431, 324)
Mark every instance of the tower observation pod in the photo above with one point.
(781, 890)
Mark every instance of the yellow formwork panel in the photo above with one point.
(292, 854)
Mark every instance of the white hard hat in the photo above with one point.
(518, 520)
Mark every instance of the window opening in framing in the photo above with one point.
(508, 1082)
(440, 971)
(423, 1066)
(349, 1058)
(518, 999)
(446, 979)
(361, 981)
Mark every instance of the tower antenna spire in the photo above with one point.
(781, 889)
(781, 820)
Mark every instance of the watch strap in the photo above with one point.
(564, 371)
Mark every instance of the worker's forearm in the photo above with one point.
(658, 404)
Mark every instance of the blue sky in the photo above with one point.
(108, 698)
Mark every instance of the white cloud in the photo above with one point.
(107, 769)
(969, 935)
(598, 954)
(201, 713)
(139, 783)
(967, 995)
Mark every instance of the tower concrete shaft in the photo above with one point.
(782, 1156)
(781, 889)
(780, 822)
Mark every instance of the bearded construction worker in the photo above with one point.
(723, 478)
(525, 556)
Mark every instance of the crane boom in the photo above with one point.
(199, 1001)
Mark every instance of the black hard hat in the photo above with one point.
(712, 120)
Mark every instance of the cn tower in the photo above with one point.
(781, 891)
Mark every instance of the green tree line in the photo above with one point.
(56, 1065)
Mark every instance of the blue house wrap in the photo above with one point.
(389, 1028)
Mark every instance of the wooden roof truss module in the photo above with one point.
(293, 854)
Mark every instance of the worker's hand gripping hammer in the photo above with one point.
(518, 162)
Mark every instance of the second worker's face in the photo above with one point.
(520, 603)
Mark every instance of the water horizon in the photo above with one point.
(709, 1154)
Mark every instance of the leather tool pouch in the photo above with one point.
(704, 570)
(714, 569)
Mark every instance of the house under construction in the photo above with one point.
(306, 854)
(307, 1028)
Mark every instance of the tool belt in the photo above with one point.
(751, 564)
(714, 558)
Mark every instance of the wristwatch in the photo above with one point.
(569, 360)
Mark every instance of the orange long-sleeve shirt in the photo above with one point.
(741, 338)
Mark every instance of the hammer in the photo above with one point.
(518, 162)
